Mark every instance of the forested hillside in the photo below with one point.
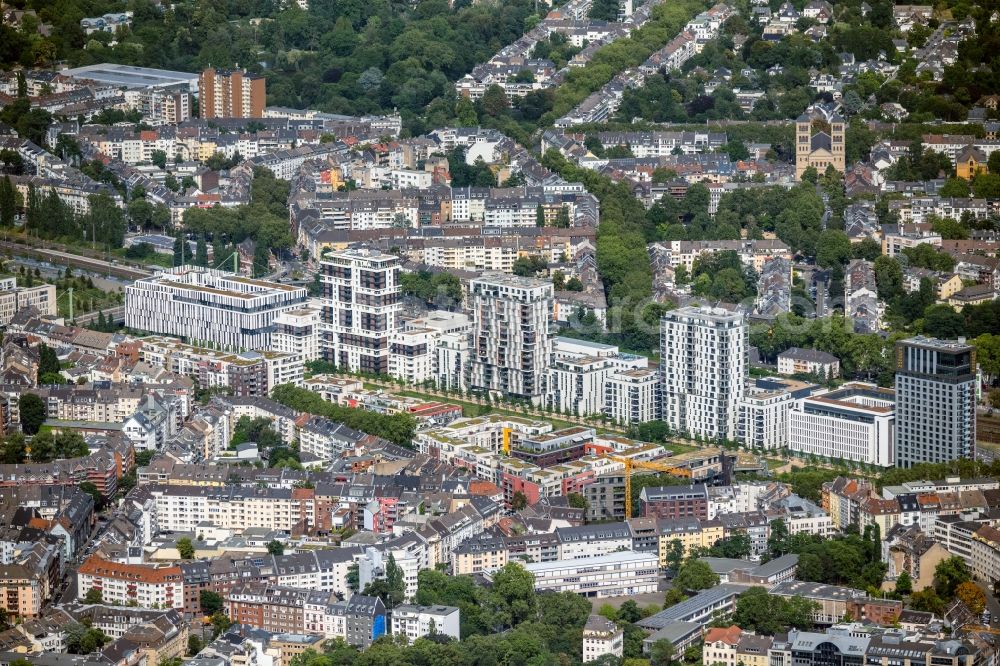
(347, 56)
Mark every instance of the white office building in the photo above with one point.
(297, 332)
(577, 385)
(361, 304)
(613, 575)
(416, 622)
(511, 345)
(703, 361)
(856, 422)
(209, 307)
(632, 396)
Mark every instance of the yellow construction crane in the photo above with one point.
(650, 466)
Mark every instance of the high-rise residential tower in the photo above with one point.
(703, 362)
(511, 345)
(361, 304)
(231, 93)
(935, 400)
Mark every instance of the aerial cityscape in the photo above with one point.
(499, 333)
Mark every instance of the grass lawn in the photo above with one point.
(474, 409)
(680, 447)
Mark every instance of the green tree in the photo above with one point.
(48, 360)
(948, 228)
(201, 251)
(93, 596)
(13, 450)
(275, 547)
(904, 584)
(180, 255)
(629, 612)
(758, 611)
(8, 202)
(941, 321)
(662, 653)
(395, 581)
(957, 188)
(949, 574)
(194, 645)
(777, 541)
(210, 602)
(185, 548)
(868, 249)
(927, 600)
(92, 641)
(518, 501)
(888, 278)
(512, 598)
(994, 162)
(833, 248)
(695, 575)
(353, 579)
(220, 623)
(673, 597)
(494, 101)
(675, 554)
(987, 186)
(91, 489)
(604, 10)
(33, 412)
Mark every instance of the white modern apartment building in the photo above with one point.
(209, 307)
(632, 396)
(42, 297)
(511, 345)
(298, 332)
(765, 408)
(601, 636)
(856, 422)
(577, 385)
(182, 508)
(763, 418)
(361, 304)
(703, 362)
(451, 361)
(412, 353)
(416, 622)
(613, 575)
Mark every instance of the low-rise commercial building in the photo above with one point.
(617, 574)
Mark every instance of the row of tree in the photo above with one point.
(397, 428)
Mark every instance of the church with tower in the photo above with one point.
(819, 143)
